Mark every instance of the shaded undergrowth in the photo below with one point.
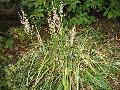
(87, 62)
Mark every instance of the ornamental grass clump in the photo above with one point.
(70, 60)
(58, 65)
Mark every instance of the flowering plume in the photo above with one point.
(25, 22)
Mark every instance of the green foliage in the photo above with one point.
(76, 12)
(9, 43)
(58, 65)
(19, 34)
(4, 61)
(37, 10)
(7, 47)
(113, 11)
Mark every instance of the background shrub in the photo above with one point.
(76, 12)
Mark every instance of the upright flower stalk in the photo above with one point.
(27, 27)
(25, 22)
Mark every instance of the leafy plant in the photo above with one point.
(76, 12)
(59, 65)
(70, 60)
(9, 43)
(113, 9)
